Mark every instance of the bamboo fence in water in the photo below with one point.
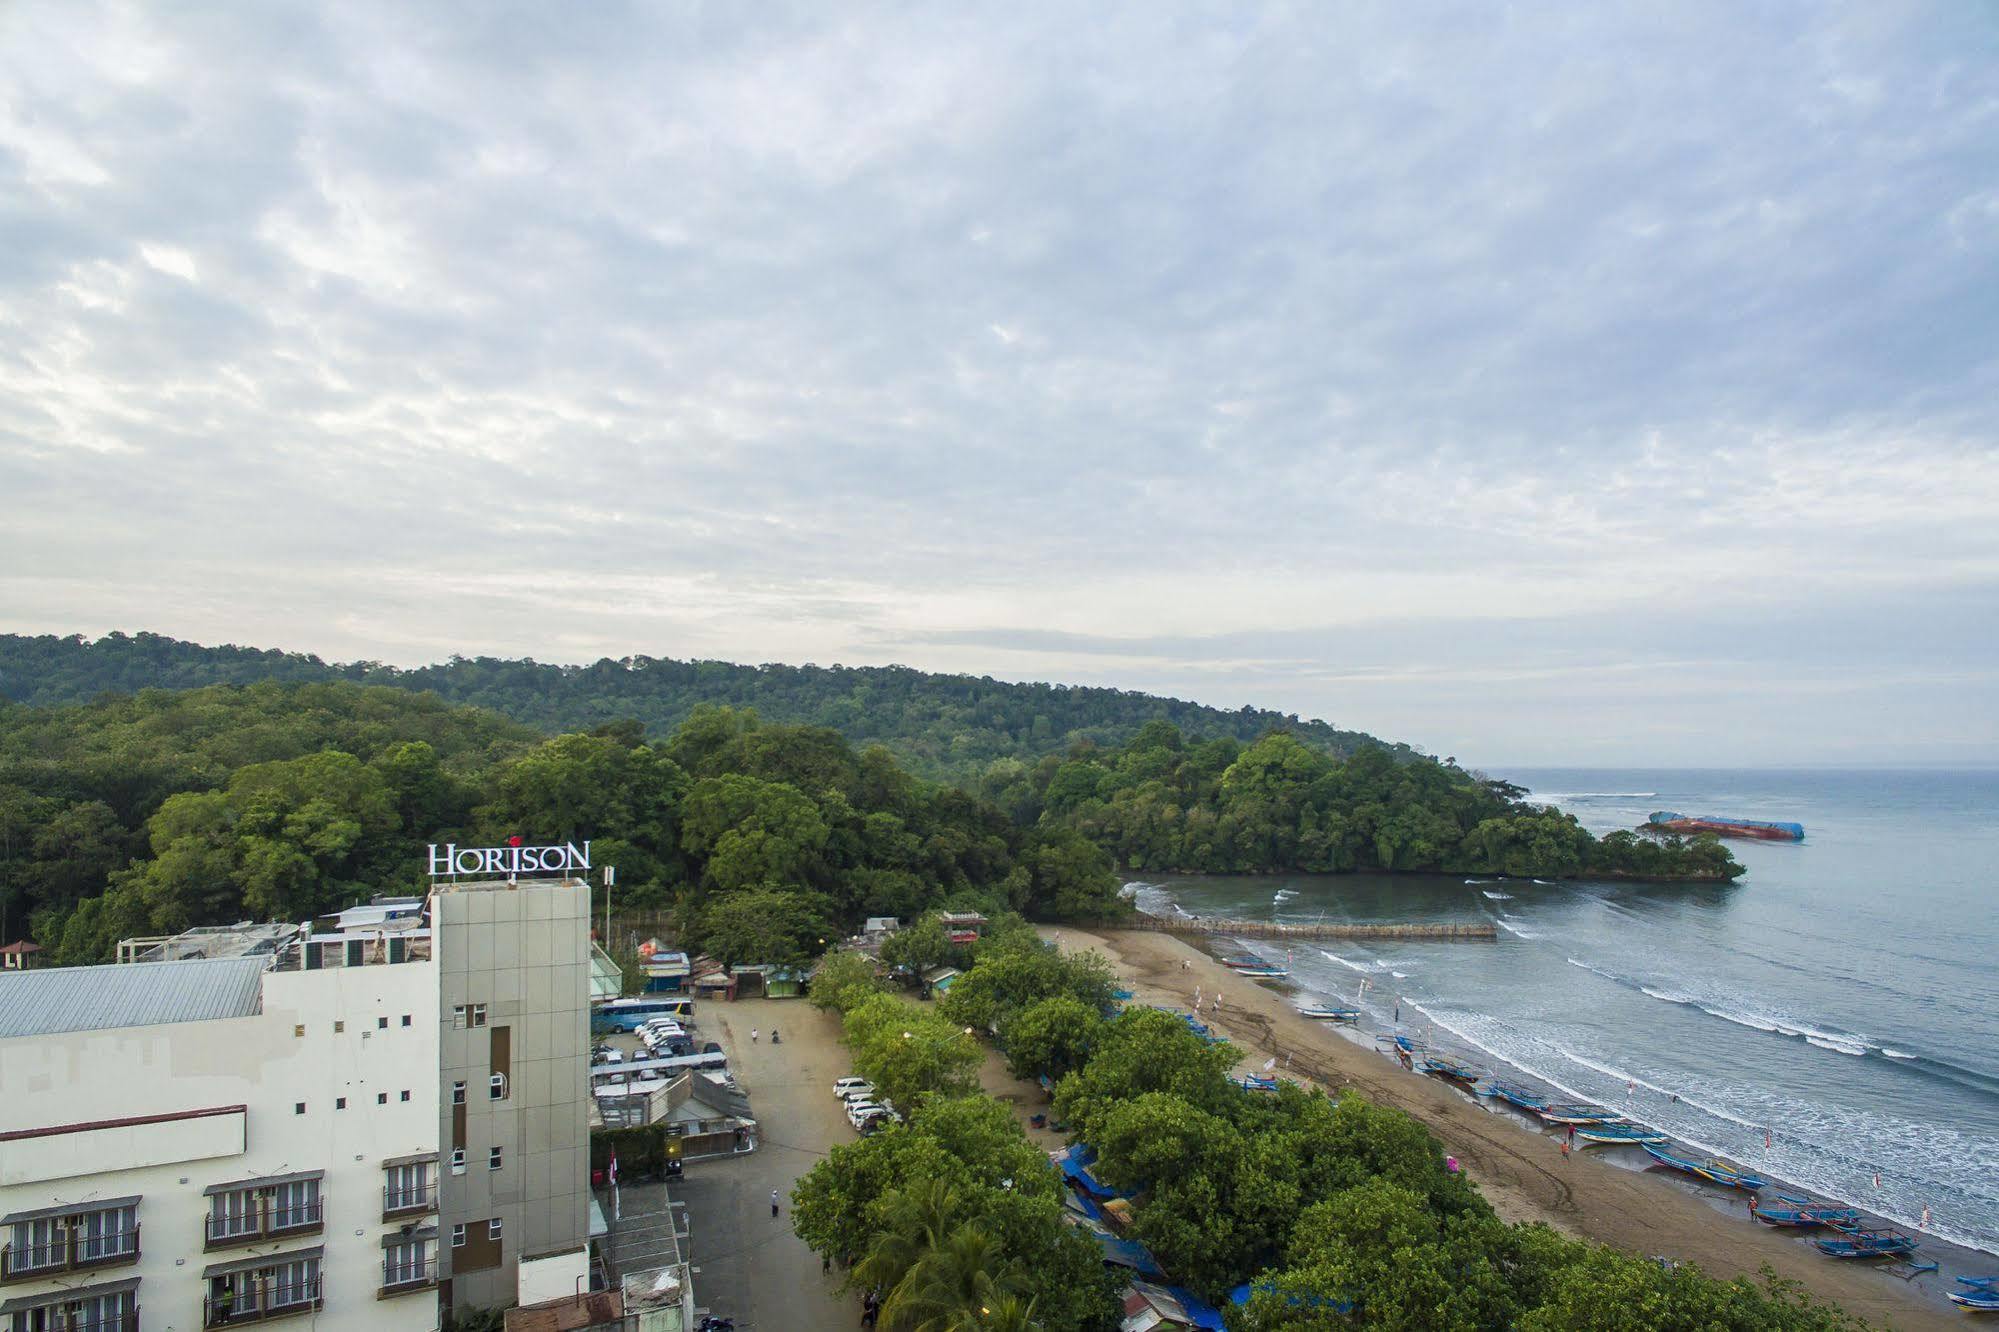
(1266, 929)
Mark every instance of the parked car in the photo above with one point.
(859, 1110)
(856, 1095)
(841, 1086)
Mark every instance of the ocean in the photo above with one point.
(1831, 1018)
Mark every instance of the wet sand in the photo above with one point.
(1522, 1173)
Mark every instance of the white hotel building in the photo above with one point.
(361, 1123)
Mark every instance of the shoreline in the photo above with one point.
(1518, 1167)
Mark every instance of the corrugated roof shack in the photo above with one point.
(598, 1309)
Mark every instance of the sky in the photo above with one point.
(1538, 384)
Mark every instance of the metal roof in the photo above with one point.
(58, 999)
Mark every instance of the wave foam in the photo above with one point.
(1497, 897)
(1513, 929)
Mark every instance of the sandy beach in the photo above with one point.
(1523, 1174)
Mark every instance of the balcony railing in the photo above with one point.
(399, 1277)
(265, 1300)
(127, 1322)
(265, 1223)
(72, 1252)
(396, 1201)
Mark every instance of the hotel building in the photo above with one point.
(365, 1121)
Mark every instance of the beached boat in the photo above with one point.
(1251, 1082)
(1262, 973)
(1862, 1242)
(1513, 1095)
(1617, 1135)
(1450, 1068)
(1327, 1014)
(1714, 1172)
(1237, 961)
(1788, 1209)
(1979, 1299)
(1980, 1283)
(1578, 1112)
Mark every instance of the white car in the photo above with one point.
(841, 1086)
(856, 1095)
(663, 1027)
(860, 1110)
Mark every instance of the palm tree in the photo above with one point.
(1006, 1313)
(914, 1220)
(952, 1286)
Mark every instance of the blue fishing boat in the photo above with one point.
(1788, 1209)
(1979, 1299)
(1578, 1112)
(1714, 1172)
(1252, 1082)
(1328, 1014)
(1617, 1135)
(1262, 973)
(1450, 1068)
(1514, 1095)
(1862, 1242)
(1980, 1283)
(1237, 961)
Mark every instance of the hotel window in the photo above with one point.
(252, 1210)
(381, 1098)
(247, 1294)
(478, 1015)
(61, 1241)
(457, 1160)
(458, 1237)
(407, 1187)
(493, 1228)
(493, 1159)
(79, 1311)
(405, 1096)
(458, 1093)
(458, 1015)
(381, 1024)
(496, 1087)
(406, 1264)
(406, 1019)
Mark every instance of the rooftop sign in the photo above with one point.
(508, 861)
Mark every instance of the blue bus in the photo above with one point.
(631, 1014)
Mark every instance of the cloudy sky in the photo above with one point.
(1533, 383)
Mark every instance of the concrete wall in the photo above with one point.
(269, 1063)
(523, 951)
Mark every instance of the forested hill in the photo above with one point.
(940, 726)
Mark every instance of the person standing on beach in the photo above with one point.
(1565, 1156)
(773, 1202)
(753, 1035)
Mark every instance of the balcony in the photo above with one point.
(399, 1278)
(74, 1252)
(260, 1303)
(408, 1201)
(264, 1223)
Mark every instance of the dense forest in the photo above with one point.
(150, 813)
(1164, 803)
(1337, 1212)
(940, 726)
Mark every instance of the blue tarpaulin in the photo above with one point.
(1199, 1312)
(1128, 1253)
(1075, 1165)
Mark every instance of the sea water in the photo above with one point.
(1831, 1017)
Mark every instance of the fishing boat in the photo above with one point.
(1617, 1135)
(1327, 1014)
(1790, 1210)
(1980, 1283)
(1979, 1299)
(1450, 1068)
(1262, 973)
(1862, 1242)
(1578, 1112)
(1714, 1172)
(1515, 1095)
(1237, 961)
(1251, 1082)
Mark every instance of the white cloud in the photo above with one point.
(1238, 350)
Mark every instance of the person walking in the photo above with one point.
(773, 1202)
(753, 1035)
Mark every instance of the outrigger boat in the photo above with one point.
(1618, 1135)
(1862, 1242)
(1980, 1294)
(1449, 1068)
(1329, 1014)
(1240, 961)
(1262, 973)
(1714, 1172)
(1532, 1102)
(1576, 1112)
(1790, 1210)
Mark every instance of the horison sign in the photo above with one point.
(507, 862)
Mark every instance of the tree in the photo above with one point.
(766, 926)
(1052, 1037)
(919, 946)
(843, 980)
(751, 833)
